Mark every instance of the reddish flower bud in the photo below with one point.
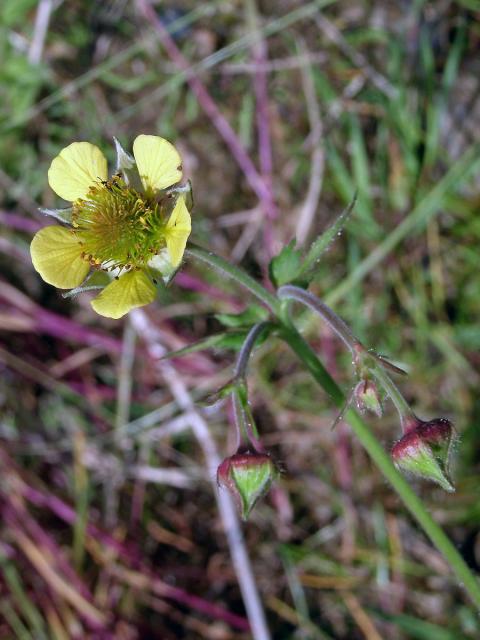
(248, 477)
(424, 450)
(367, 397)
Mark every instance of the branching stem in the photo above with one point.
(291, 292)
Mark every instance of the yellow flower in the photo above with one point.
(132, 226)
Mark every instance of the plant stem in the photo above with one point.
(242, 414)
(238, 419)
(242, 278)
(291, 292)
(315, 367)
(247, 348)
(407, 416)
(383, 462)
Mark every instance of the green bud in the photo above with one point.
(424, 450)
(367, 397)
(248, 477)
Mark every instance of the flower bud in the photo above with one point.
(248, 477)
(424, 450)
(367, 397)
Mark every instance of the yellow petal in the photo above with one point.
(131, 290)
(177, 231)
(56, 256)
(78, 167)
(158, 162)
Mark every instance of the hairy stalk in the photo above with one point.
(242, 414)
(407, 416)
(291, 292)
(244, 423)
(236, 274)
(238, 419)
(247, 348)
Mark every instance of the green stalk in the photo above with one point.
(242, 278)
(245, 352)
(404, 410)
(383, 462)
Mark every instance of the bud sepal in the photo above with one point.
(367, 397)
(248, 476)
(424, 450)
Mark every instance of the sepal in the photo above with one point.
(248, 477)
(424, 450)
(367, 397)
(62, 215)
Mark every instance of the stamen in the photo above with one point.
(118, 227)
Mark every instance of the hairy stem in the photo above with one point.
(236, 274)
(242, 416)
(247, 348)
(291, 292)
(407, 416)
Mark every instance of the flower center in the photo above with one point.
(118, 227)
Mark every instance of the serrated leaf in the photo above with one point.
(252, 314)
(285, 267)
(321, 244)
(227, 340)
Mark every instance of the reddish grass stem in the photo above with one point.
(260, 58)
(130, 554)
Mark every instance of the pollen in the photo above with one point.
(119, 228)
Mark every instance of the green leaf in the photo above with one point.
(226, 340)
(285, 267)
(323, 241)
(253, 314)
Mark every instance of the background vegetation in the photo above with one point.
(109, 526)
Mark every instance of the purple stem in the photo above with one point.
(66, 513)
(192, 283)
(55, 324)
(58, 326)
(260, 55)
(21, 519)
(21, 223)
(209, 106)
